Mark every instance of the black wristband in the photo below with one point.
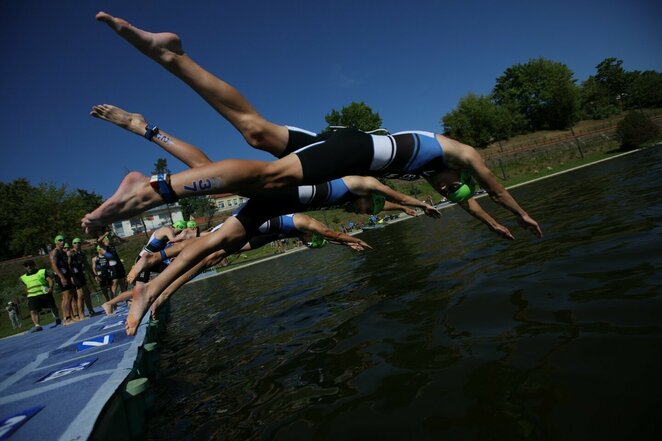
(150, 132)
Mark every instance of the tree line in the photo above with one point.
(543, 95)
(34, 215)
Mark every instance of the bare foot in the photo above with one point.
(108, 309)
(140, 303)
(133, 196)
(136, 269)
(162, 46)
(133, 122)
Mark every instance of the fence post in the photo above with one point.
(579, 146)
(503, 171)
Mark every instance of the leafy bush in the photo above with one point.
(635, 129)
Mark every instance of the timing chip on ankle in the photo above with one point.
(160, 182)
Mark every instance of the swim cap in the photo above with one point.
(99, 247)
(66, 245)
(317, 241)
(179, 225)
(465, 191)
(377, 203)
(191, 224)
(58, 238)
(76, 240)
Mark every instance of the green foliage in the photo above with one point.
(477, 121)
(34, 215)
(613, 79)
(541, 90)
(635, 129)
(161, 166)
(643, 89)
(595, 101)
(356, 115)
(198, 206)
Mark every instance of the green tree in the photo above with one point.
(543, 91)
(643, 89)
(198, 206)
(477, 121)
(357, 115)
(595, 101)
(613, 78)
(37, 214)
(161, 166)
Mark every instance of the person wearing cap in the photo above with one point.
(39, 290)
(14, 318)
(60, 267)
(78, 265)
(158, 241)
(100, 269)
(116, 270)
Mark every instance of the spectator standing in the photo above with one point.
(39, 290)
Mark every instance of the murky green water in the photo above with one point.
(443, 331)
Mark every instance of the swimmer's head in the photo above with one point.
(191, 224)
(58, 238)
(317, 241)
(66, 246)
(372, 204)
(453, 185)
(76, 240)
(100, 248)
(179, 225)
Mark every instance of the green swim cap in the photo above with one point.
(466, 190)
(179, 225)
(76, 240)
(66, 245)
(58, 238)
(191, 224)
(377, 203)
(317, 241)
(99, 247)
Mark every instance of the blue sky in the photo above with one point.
(294, 60)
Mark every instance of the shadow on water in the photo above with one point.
(442, 332)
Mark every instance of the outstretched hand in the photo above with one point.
(503, 232)
(431, 211)
(359, 246)
(528, 223)
(409, 211)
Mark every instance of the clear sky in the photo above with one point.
(294, 60)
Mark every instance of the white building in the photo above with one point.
(165, 214)
(227, 202)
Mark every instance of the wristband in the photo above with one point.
(150, 132)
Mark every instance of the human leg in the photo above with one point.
(135, 195)
(166, 49)
(230, 237)
(148, 261)
(135, 123)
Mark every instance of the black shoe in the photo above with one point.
(58, 322)
(36, 329)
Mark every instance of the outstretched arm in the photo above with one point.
(307, 223)
(369, 184)
(472, 207)
(497, 192)
(392, 206)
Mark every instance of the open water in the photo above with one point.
(444, 331)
